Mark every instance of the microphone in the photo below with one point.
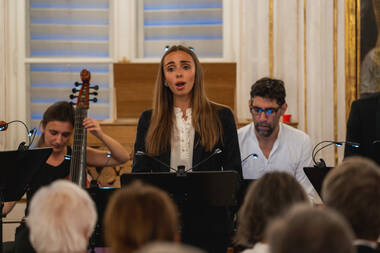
(142, 153)
(216, 151)
(254, 156)
(375, 142)
(322, 163)
(4, 126)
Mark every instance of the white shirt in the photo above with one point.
(182, 142)
(258, 248)
(290, 153)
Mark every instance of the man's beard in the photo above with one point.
(262, 132)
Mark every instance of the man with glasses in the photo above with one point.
(266, 144)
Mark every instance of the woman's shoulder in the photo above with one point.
(223, 111)
(145, 116)
(146, 113)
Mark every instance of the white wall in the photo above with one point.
(12, 74)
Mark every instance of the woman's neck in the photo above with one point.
(56, 158)
(183, 103)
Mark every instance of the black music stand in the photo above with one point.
(100, 195)
(205, 200)
(17, 170)
(212, 188)
(316, 175)
(245, 184)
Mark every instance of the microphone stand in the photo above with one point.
(216, 151)
(30, 134)
(254, 156)
(142, 153)
(322, 163)
(181, 171)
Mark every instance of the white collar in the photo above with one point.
(178, 111)
(364, 242)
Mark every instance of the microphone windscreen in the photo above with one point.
(3, 125)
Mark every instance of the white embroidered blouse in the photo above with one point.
(182, 140)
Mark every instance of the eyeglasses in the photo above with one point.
(268, 111)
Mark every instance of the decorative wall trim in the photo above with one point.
(270, 38)
(335, 73)
(305, 64)
(352, 54)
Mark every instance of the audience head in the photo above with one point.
(57, 125)
(267, 105)
(167, 247)
(306, 229)
(138, 214)
(62, 217)
(265, 199)
(353, 189)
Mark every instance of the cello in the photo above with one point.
(78, 156)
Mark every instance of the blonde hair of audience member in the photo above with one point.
(265, 199)
(138, 214)
(205, 119)
(353, 189)
(307, 229)
(167, 247)
(62, 217)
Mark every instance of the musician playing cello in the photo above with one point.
(57, 127)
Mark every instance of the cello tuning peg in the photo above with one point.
(93, 93)
(72, 103)
(94, 100)
(74, 90)
(96, 87)
(77, 84)
(72, 96)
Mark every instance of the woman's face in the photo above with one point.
(179, 71)
(57, 134)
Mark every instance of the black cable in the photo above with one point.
(315, 153)
(337, 143)
(27, 129)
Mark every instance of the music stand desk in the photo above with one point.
(212, 188)
(316, 176)
(17, 170)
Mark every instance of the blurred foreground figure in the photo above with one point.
(62, 217)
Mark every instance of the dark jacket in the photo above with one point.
(228, 159)
(363, 126)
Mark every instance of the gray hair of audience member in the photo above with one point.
(168, 247)
(353, 189)
(307, 229)
(62, 217)
(265, 199)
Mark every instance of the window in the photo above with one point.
(195, 23)
(64, 37)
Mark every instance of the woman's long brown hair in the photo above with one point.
(205, 118)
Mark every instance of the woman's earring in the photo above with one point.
(166, 84)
